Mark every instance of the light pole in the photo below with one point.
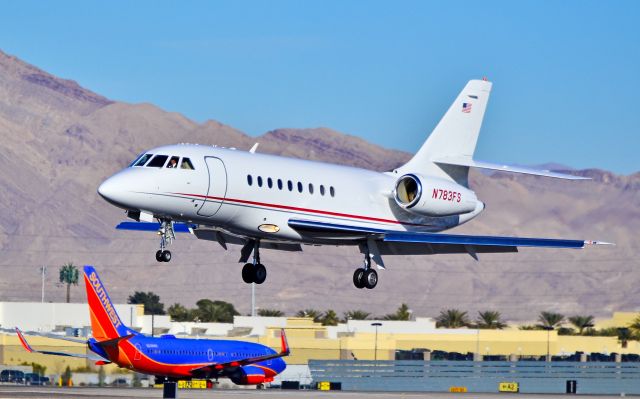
(549, 329)
(375, 350)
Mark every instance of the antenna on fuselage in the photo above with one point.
(254, 148)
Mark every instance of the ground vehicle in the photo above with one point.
(32, 379)
(11, 375)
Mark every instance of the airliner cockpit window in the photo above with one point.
(157, 161)
(142, 160)
(173, 162)
(186, 164)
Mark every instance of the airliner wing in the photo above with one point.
(29, 349)
(220, 367)
(151, 226)
(414, 243)
(465, 161)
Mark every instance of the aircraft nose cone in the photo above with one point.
(114, 189)
(107, 189)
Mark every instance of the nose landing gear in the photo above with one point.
(167, 236)
(365, 277)
(254, 272)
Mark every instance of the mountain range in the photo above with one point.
(60, 140)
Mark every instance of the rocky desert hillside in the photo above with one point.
(60, 140)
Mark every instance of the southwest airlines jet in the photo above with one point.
(245, 363)
(264, 201)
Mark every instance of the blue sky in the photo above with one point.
(565, 73)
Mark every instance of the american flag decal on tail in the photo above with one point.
(466, 107)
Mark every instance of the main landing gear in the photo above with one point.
(167, 236)
(365, 277)
(254, 272)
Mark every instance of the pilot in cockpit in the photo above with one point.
(173, 163)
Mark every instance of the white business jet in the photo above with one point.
(265, 201)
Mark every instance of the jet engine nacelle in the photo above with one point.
(431, 196)
(247, 375)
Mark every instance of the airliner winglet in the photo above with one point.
(261, 201)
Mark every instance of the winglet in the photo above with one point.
(23, 341)
(254, 148)
(589, 242)
(285, 344)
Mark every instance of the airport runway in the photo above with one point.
(10, 392)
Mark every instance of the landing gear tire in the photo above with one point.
(260, 273)
(358, 278)
(248, 273)
(370, 279)
(159, 256)
(166, 256)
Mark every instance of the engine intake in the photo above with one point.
(433, 196)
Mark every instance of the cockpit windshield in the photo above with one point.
(141, 160)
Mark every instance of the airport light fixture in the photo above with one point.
(549, 329)
(375, 350)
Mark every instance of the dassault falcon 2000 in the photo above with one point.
(266, 201)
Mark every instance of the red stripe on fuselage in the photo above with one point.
(295, 208)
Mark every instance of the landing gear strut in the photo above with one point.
(167, 236)
(365, 277)
(254, 272)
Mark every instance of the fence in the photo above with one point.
(440, 376)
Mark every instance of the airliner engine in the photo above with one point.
(248, 375)
(433, 196)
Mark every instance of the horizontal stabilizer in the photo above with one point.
(465, 161)
(152, 226)
(30, 349)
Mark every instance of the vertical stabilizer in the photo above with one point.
(105, 322)
(455, 135)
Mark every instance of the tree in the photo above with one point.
(635, 326)
(581, 322)
(329, 318)
(624, 335)
(310, 313)
(69, 275)
(215, 311)
(356, 315)
(181, 313)
(490, 320)
(452, 318)
(270, 313)
(403, 314)
(550, 319)
(151, 302)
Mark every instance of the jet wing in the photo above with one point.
(151, 226)
(221, 367)
(29, 349)
(414, 243)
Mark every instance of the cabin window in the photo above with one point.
(310, 188)
(157, 161)
(290, 185)
(279, 184)
(332, 191)
(142, 160)
(259, 181)
(186, 164)
(321, 189)
(250, 180)
(269, 182)
(173, 163)
(299, 187)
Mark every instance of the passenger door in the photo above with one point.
(217, 187)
